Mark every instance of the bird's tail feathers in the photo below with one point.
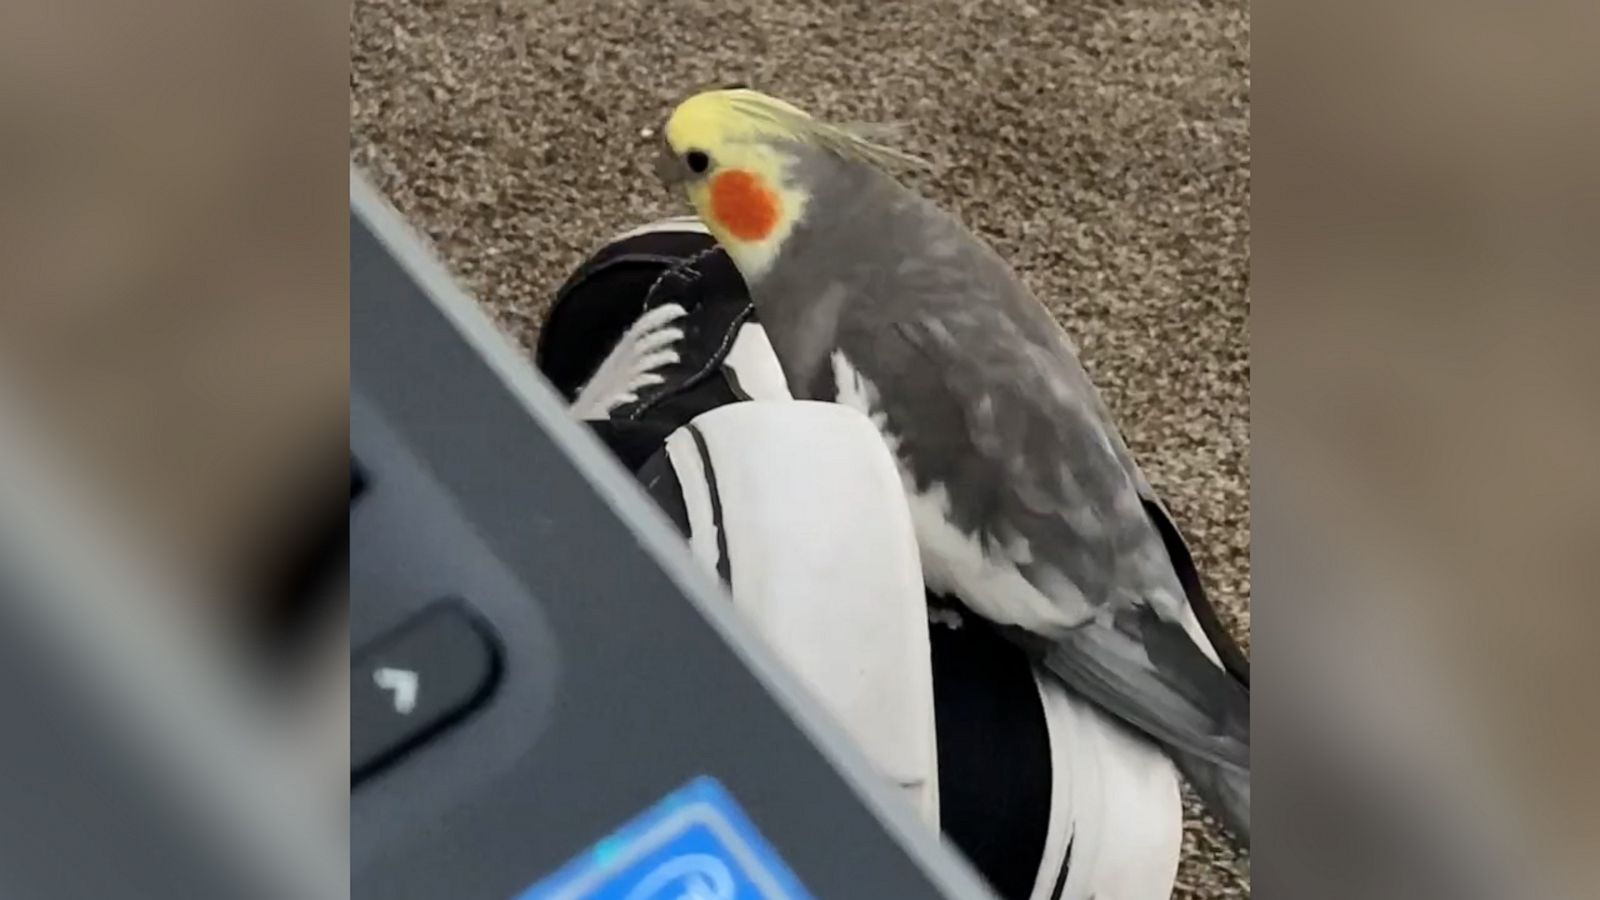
(1224, 790)
(1148, 673)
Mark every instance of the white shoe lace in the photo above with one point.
(632, 364)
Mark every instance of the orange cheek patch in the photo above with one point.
(743, 205)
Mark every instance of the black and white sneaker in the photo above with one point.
(1047, 797)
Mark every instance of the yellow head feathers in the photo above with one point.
(733, 114)
(714, 118)
(732, 151)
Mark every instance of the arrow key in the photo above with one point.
(403, 684)
(410, 684)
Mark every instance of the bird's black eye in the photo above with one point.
(697, 161)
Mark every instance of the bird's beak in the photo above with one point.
(670, 169)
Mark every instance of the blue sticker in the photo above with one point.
(694, 845)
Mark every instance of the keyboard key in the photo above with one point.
(412, 683)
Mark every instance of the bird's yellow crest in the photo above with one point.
(726, 149)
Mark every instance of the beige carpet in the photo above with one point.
(1103, 147)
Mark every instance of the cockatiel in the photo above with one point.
(1027, 504)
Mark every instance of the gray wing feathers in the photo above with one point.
(1036, 463)
(1036, 466)
(984, 392)
(1000, 418)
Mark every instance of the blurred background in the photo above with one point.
(1103, 148)
(1426, 412)
(173, 275)
(174, 348)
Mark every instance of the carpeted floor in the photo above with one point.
(1103, 147)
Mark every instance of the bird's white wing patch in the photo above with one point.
(955, 562)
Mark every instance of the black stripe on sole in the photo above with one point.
(724, 565)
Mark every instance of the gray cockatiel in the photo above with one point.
(1027, 504)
